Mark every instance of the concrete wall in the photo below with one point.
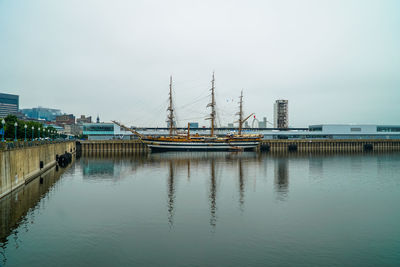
(22, 164)
(113, 146)
(331, 145)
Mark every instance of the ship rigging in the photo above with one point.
(212, 142)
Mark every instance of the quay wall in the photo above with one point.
(127, 146)
(331, 145)
(317, 145)
(24, 161)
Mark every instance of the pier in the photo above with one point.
(320, 145)
(112, 146)
(330, 145)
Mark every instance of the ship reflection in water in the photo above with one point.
(200, 162)
(242, 204)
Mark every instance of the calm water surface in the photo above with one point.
(208, 209)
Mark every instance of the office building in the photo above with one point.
(9, 104)
(41, 113)
(106, 131)
(263, 123)
(193, 125)
(281, 114)
(84, 119)
(65, 119)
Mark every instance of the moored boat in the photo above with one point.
(212, 142)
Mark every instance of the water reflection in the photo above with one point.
(113, 166)
(189, 161)
(213, 195)
(18, 209)
(316, 167)
(241, 184)
(171, 194)
(281, 178)
(176, 199)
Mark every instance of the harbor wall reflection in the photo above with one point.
(15, 207)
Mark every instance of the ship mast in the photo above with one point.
(240, 113)
(170, 109)
(212, 105)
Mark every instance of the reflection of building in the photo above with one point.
(9, 104)
(281, 178)
(41, 113)
(98, 167)
(281, 115)
(105, 131)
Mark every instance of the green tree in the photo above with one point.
(10, 128)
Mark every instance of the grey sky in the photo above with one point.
(335, 61)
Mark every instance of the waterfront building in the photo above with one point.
(65, 119)
(339, 131)
(72, 129)
(84, 119)
(281, 114)
(321, 131)
(106, 131)
(41, 113)
(9, 104)
(193, 125)
(263, 123)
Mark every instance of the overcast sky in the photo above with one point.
(335, 61)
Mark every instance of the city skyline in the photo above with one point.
(334, 62)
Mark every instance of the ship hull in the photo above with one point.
(157, 146)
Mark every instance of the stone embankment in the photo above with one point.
(22, 162)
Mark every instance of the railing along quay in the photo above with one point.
(24, 144)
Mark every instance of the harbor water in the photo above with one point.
(208, 209)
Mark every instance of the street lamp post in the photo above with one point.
(33, 133)
(15, 127)
(26, 126)
(4, 130)
(39, 132)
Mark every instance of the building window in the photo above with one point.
(355, 129)
(315, 129)
(388, 129)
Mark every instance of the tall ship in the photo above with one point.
(195, 142)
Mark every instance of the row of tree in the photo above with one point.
(9, 129)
